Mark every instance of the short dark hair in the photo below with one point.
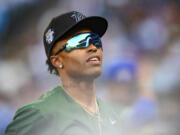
(52, 69)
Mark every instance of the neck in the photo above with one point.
(82, 91)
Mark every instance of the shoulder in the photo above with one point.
(32, 116)
(47, 103)
(24, 119)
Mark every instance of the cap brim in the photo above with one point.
(95, 23)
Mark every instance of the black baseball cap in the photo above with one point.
(64, 23)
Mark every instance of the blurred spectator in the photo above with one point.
(150, 34)
(136, 105)
(120, 78)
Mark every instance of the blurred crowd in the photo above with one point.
(140, 66)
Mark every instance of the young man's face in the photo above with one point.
(83, 63)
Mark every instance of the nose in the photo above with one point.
(92, 48)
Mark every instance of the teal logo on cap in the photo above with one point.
(78, 16)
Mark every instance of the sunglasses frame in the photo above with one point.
(64, 46)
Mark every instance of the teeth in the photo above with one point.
(94, 59)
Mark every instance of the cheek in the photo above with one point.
(74, 63)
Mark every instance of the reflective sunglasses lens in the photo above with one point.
(78, 41)
(83, 41)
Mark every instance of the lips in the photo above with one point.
(95, 59)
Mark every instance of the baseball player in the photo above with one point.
(73, 47)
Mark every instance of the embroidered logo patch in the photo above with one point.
(78, 16)
(49, 36)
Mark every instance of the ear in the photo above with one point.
(56, 61)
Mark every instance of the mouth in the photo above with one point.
(94, 60)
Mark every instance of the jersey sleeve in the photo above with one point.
(27, 121)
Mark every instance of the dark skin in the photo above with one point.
(77, 73)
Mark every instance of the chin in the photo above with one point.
(94, 74)
(89, 74)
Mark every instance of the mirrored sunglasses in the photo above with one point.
(82, 40)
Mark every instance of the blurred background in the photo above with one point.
(141, 75)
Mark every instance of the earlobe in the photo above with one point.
(56, 61)
(61, 66)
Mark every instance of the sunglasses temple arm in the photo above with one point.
(61, 49)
